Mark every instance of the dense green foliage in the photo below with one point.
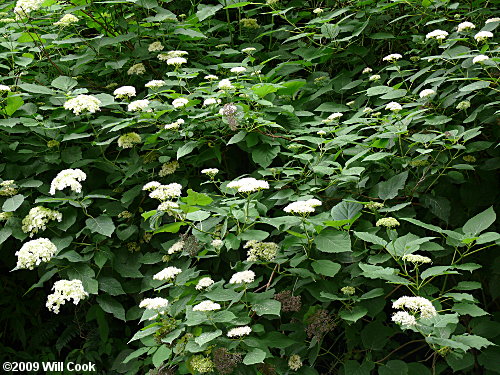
(308, 120)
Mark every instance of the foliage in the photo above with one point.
(393, 161)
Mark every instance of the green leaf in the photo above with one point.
(255, 355)
(378, 90)
(332, 241)
(196, 199)
(346, 210)
(207, 337)
(468, 309)
(64, 83)
(480, 222)
(4, 234)
(277, 340)
(377, 272)
(161, 355)
(238, 137)
(112, 306)
(267, 307)
(170, 228)
(206, 11)
(102, 224)
(146, 331)
(353, 315)
(389, 189)
(476, 342)
(36, 89)
(13, 203)
(474, 86)
(326, 267)
(186, 149)
(110, 285)
(262, 89)
(372, 238)
(264, 154)
(330, 31)
(437, 271)
(14, 102)
(198, 215)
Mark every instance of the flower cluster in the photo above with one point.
(136, 69)
(427, 92)
(83, 103)
(157, 303)
(394, 107)
(483, 36)
(211, 101)
(24, 7)
(211, 172)
(348, 290)
(176, 247)
(238, 69)
(37, 219)
(416, 304)
(392, 57)
(374, 205)
(168, 207)
(302, 207)
(416, 258)
(4, 88)
(201, 364)
(206, 306)
(437, 34)
(217, 243)
(239, 331)
(155, 83)
(155, 47)
(139, 105)
(374, 77)
(165, 192)
(403, 318)
(294, 362)
(4, 216)
(8, 188)
(480, 59)
(34, 252)
(465, 26)
(465, 104)
(265, 251)
(289, 302)
(203, 283)
(177, 61)
(225, 84)
(129, 140)
(68, 178)
(124, 92)
(242, 277)
(333, 117)
(168, 168)
(65, 290)
(388, 222)
(180, 102)
(174, 125)
(150, 186)
(66, 20)
(248, 185)
(168, 273)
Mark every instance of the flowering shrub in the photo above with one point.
(250, 188)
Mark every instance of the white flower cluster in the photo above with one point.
(392, 57)
(479, 59)
(394, 107)
(416, 258)
(210, 171)
(203, 283)
(239, 331)
(177, 61)
(168, 207)
(34, 252)
(150, 186)
(66, 20)
(333, 117)
(176, 247)
(483, 36)
(65, 290)
(136, 69)
(4, 216)
(37, 219)
(217, 243)
(265, 251)
(25, 7)
(211, 101)
(249, 50)
(124, 92)
(139, 105)
(374, 205)
(294, 362)
(465, 26)
(225, 84)
(8, 188)
(211, 77)
(157, 303)
(68, 178)
(374, 77)
(494, 19)
(206, 306)
(155, 83)
(403, 318)
(242, 277)
(388, 222)
(427, 92)
(83, 103)
(180, 102)
(302, 207)
(167, 273)
(168, 168)
(465, 104)
(416, 304)
(171, 55)
(164, 192)
(155, 47)
(238, 69)
(4, 88)
(437, 34)
(248, 185)
(174, 125)
(129, 140)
